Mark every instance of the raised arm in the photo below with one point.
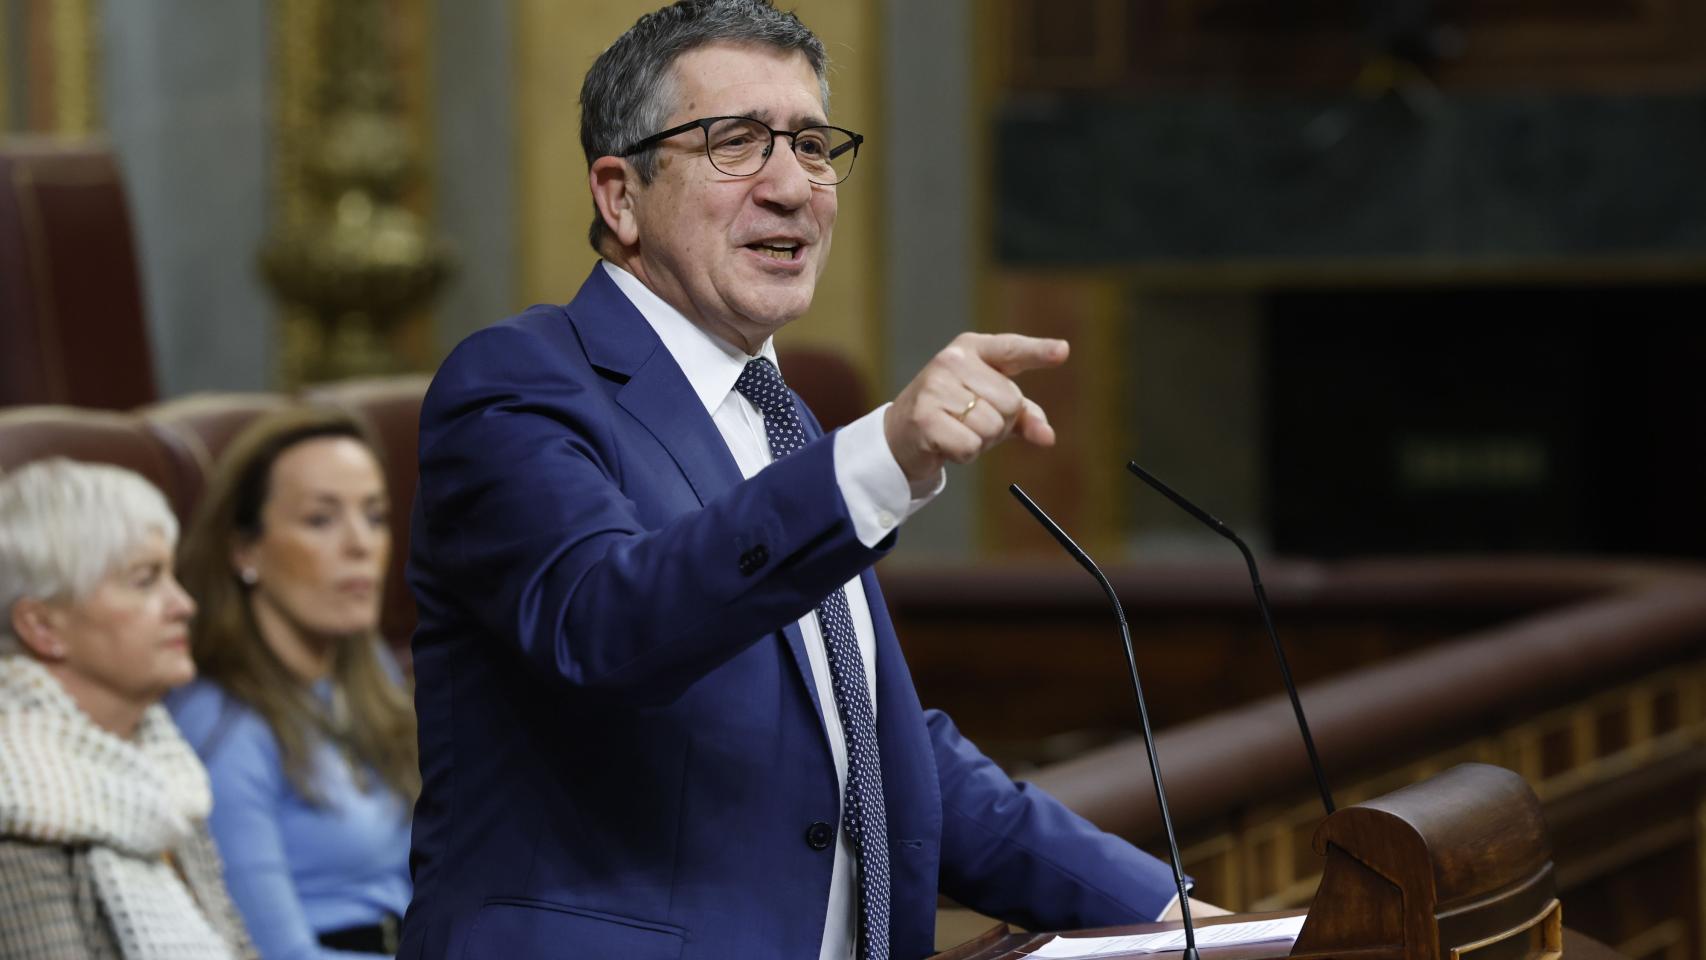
(527, 521)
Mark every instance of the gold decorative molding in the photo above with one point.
(554, 46)
(350, 255)
(74, 63)
(5, 67)
(1262, 860)
(296, 65)
(295, 24)
(52, 68)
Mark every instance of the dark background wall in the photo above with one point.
(1378, 276)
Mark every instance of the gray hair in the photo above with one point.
(65, 525)
(629, 93)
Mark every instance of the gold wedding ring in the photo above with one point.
(969, 407)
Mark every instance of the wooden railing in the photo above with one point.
(1594, 690)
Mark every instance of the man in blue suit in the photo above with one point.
(663, 712)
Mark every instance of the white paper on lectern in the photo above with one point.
(1252, 931)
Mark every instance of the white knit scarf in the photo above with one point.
(65, 780)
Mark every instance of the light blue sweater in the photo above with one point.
(294, 869)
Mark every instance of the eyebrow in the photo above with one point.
(318, 497)
(800, 121)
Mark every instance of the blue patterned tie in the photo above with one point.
(866, 820)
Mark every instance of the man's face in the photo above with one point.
(740, 256)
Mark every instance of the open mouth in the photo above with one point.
(780, 250)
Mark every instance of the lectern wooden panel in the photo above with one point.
(1452, 867)
(1456, 867)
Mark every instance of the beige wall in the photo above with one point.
(557, 41)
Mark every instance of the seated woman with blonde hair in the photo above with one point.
(104, 848)
(301, 715)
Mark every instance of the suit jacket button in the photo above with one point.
(754, 560)
(819, 835)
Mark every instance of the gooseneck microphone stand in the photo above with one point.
(1142, 708)
(1210, 521)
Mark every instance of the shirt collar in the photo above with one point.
(712, 366)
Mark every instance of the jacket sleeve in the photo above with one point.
(1014, 852)
(524, 524)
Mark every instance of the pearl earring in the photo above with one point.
(249, 576)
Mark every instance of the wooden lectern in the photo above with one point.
(1456, 867)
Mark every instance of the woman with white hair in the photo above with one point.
(104, 849)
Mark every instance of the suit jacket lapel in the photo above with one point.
(797, 646)
(618, 340)
(659, 396)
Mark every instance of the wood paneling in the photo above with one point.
(1599, 703)
(1027, 658)
(1619, 765)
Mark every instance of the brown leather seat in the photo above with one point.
(99, 436)
(176, 443)
(71, 319)
(198, 427)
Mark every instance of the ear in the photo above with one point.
(614, 182)
(38, 625)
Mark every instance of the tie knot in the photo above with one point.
(761, 384)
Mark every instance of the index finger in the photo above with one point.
(1013, 353)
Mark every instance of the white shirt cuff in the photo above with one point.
(875, 490)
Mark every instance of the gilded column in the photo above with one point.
(5, 67)
(296, 24)
(350, 258)
(74, 62)
(52, 69)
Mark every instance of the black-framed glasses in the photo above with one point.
(740, 146)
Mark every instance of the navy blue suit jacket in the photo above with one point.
(621, 744)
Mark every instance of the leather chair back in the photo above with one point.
(71, 320)
(176, 443)
(98, 436)
(198, 427)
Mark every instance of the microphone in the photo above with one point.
(1142, 708)
(1214, 524)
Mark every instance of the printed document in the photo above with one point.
(1220, 934)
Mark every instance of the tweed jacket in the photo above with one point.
(49, 909)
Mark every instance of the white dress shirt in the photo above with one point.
(878, 500)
